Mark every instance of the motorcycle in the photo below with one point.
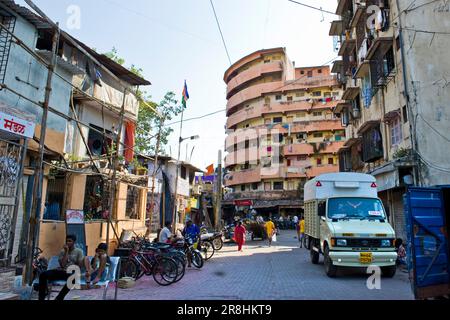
(215, 238)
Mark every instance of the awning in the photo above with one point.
(265, 204)
(337, 66)
(368, 125)
(340, 106)
(337, 28)
(381, 44)
(362, 70)
(392, 115)
(361, 9)
(350, 93)
(347, 45)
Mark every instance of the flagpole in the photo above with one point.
(175, 203)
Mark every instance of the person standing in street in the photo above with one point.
(271, 230)
(301, 231)
(239, 235)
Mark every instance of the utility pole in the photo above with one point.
(155, 170)
(33, 235)
(218, 205)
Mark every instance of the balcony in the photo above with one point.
(309, 83)
(243, 177)
(317, 171)
(242, 156)
(261, 109)
(309, 149)
(253, 73)
(252, 92)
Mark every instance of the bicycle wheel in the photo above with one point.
(218, 243)
(132, 269)
(165, 272)
(181, 268)
(207, 250)
(197, 259)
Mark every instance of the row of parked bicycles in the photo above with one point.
(167, 263)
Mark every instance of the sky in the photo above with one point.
(178, 40)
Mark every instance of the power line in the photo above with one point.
(314, 8)
(220, 30)
(196, 118)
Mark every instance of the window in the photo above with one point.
(289, 162)
(396, 132)
(302, 158)
(302, 72)
(389, 62)
(317, 114)
(278, 186)
(405, 114)
(317, 94)
(397, 43)
(327, 94)
(183, 172)
(267, 60)
(254, 186)
(267, 121)
(335, 94)
(99, 145)
(310, 74)
(319, 71)
(330, 161)
(267, 186)
(318, 135)
(300, 94)
(301, 115)
(278, 97)
(133, 203)
(372, 148)
(278, 120)
(55, 197)
(247, 144)
(319, 161)
(290, 99)
(243, 187)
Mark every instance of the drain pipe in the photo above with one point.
(412, 126)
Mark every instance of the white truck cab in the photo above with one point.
(346, 222)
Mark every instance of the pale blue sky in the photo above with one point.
(174, 40)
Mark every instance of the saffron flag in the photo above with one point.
(210, 170)
(185, 95)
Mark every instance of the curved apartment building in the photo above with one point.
(281, 131)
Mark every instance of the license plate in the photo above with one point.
(365, 257)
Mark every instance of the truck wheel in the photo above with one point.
(389, 272)
(314, 255)
(330, 268)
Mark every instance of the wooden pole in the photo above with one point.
(155, 171)
(33, 236)
(112, 196)
(218, 202)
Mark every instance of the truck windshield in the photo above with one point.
(355, 208)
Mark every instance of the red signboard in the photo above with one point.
(243, 203)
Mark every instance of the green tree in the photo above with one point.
(149, 122)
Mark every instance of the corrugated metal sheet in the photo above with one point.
(424, 209)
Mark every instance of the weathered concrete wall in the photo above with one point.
(428, 71)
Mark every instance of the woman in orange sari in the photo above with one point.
(239, 235)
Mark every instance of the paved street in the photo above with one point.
(261, 273)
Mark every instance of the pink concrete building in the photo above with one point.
(281, 131)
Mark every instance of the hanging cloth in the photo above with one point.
(130, 131)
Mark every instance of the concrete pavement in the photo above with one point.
(281, 272)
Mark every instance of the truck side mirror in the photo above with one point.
(321, 209)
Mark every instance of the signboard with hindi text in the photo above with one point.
(16, 125)
(75, 217)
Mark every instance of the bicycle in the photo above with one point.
(164, 270)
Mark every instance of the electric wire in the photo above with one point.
(220, 30)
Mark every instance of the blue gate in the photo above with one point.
(427, 241)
